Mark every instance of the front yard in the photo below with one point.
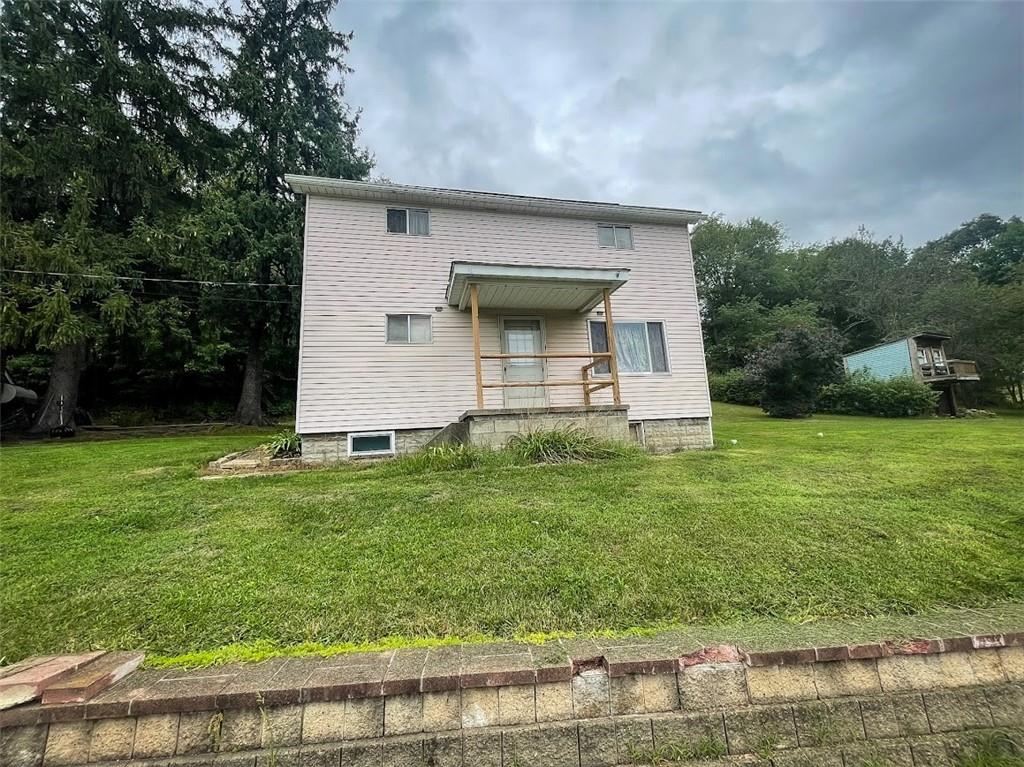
(120, 544)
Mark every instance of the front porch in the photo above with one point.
(523, 301)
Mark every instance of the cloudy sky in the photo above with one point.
(907, 118)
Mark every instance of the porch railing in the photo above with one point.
(588, 385)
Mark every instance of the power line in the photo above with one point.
(211, 283)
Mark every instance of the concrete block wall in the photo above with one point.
(671, 434)
(492, 430)
(331, 448)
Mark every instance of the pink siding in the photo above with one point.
(356, 272)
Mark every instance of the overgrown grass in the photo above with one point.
(120, 544)
(565, 445)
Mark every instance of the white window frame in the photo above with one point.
(408, 328)
(430, 224)
(370, 453)
(613, 227)
(647, 339)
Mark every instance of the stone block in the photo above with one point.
(403, 714)
(900, 673)
(362, 755)
(443, 750)
(481, 749)
(364, 718)
(553, 701)
(775, 684)
(319, 756)
(442, 710)
(281, 726)
(846, 678)
(542, 745)
(403, 752)
(155, 735)
(598, 744)
(633, 736)
(111, 740)
(516, 704)
(198, 732)
(480, 707)
(661, 692)
(761, 731)
(956, 710)
(627, 694)
(24, 746)
(675, 732)
(878, 754)
(323, 722)
(590, 694)
(986, 667)
(712, 685)
(278, 757)
(809, 757)
(1006, 703)
(822, 723)
(241, 730)
(879, 719)
(67, 743)
(931, 754)
(1012, 661)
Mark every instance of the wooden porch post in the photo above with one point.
(613, 362)
(474, 305)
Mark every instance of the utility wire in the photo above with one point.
(159, 279)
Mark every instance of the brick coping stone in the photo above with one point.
(300, 680)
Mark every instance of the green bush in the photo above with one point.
(563, 445)
(790, 372)
(284, 445)
(859, 394)
(733, 386)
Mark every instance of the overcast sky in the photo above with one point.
(907, 118)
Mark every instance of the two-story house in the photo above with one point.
(435, 315)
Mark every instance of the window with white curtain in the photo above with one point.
(639, 346)
(409, 329)
(610, 236)
(408, 221)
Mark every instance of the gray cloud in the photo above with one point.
(904, 117)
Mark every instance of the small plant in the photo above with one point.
(443, 458)
(993, 750)
(766, 747)
(563, 446)
(284, 445)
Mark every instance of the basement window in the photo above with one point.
(369, 443)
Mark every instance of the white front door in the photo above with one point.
(523, 336)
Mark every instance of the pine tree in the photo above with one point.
(105, 131)
(284, 90)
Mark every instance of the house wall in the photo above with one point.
(886, 361)
(356, 272)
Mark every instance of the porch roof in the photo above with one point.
(552, 288)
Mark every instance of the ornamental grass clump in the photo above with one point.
(442, 458)
(284, 445)
(563, 446)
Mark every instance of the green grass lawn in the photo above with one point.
(120, 544)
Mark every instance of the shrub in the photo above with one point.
(442, 458)
(789, 372)
(859, 394)
(563, 445)
(284, 445)
(733, 386)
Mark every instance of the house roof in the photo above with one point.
(547, 288)
(610, 212)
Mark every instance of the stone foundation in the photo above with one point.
(668, 435)
(912, 704)
(331, 448)
(492, 429)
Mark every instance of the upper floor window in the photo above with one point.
(408, 221)
(609, 236)
(409, 329)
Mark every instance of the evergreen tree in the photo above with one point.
(104, 131)
(284, 90)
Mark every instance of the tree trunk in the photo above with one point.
(62, 391)
(250, 403)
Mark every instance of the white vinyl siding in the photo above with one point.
(351, 379)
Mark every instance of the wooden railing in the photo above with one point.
(588, 385)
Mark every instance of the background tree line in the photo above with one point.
(756, 287)
(150, 249)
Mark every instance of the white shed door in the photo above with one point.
(523, 336)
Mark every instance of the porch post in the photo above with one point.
(474, 307)
(613, 362)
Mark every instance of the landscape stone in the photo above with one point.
(846, 678)
(775, 684)
(712, 685)
(590, 694)
(479, 707)
(554, 701)
(442, 710)
(403, 714)
(756, 730)
(111, 739)
(22, 746)
(516, 704)
(955, 710)
(155, 735)
(67, 743)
